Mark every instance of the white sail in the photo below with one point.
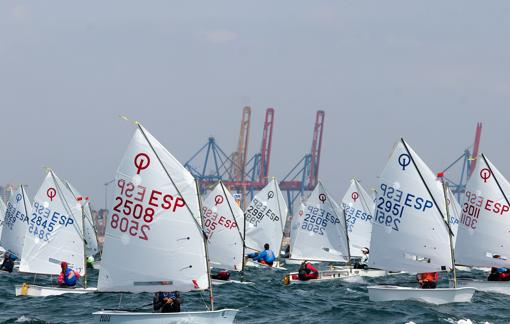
(455, 213)
(3, 209)
(358, 206)
(54, 231)
(154, 240)
(485, 222)
(223, 224)
(91, 247)
(265, 219)
(297, 220)
(322, 235)
(408, 230)
(16, 222)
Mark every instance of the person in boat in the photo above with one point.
(8, 263)
(167, 302)
(363, 262)
(428, 280)
(90, 261)
(307, 271)
(265, 257)
(67, 277)
(221, 275)
(286, 254)
(499, 274)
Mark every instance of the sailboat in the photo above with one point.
(223, 225)
(90, 234)
(483, 239)
(157, 218)
(55, 234)
(265, 222)
(16, 222)
(358, 208)
(322, 236)
(410, 231)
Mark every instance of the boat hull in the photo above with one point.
(500, 287)
(275, 266)
(432, 296)
(41, 291)
(217, 282)
(372, 273)
(297, 262)
(293, 277)
(219, 316)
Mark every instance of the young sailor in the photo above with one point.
(363, 262)
(499, 274)
(265, 257)
(221, 275)
(8, 264)
(428, 280)
(307, 271)
(167, 302)
(68, 277)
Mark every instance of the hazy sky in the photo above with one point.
(424, 70)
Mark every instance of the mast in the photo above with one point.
(281, 217)
(24, 205)
(84, 242)
(450, 236)
(348, 244)
(211, 294)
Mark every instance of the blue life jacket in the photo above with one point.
(71, 281)
(266, 255)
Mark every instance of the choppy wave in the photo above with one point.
(267, 300)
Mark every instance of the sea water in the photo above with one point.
(267, 300)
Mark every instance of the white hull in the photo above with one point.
(433, 296)
(500, 287)
(372, 273)
(463, 268)
(297, 262)
(276, 265)
(219, 316)
(327, 275)
(40, 291)
(217, 282)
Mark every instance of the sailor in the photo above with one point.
(499, 274)
(265, 257)
(68, 277)
(363, 262)
(167, 302)
(307, 271)
(221, 275)
(428, 280)
(8, 263)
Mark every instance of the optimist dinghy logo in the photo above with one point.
(51, 193)
(270, 194)
(322, 197)
(218, 200)
(355, 196)
(485, 174)
(404, 160)
(142, 162)
(18, 197)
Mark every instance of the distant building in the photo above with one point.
(7, 190)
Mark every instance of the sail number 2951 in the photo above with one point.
(391, 203)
